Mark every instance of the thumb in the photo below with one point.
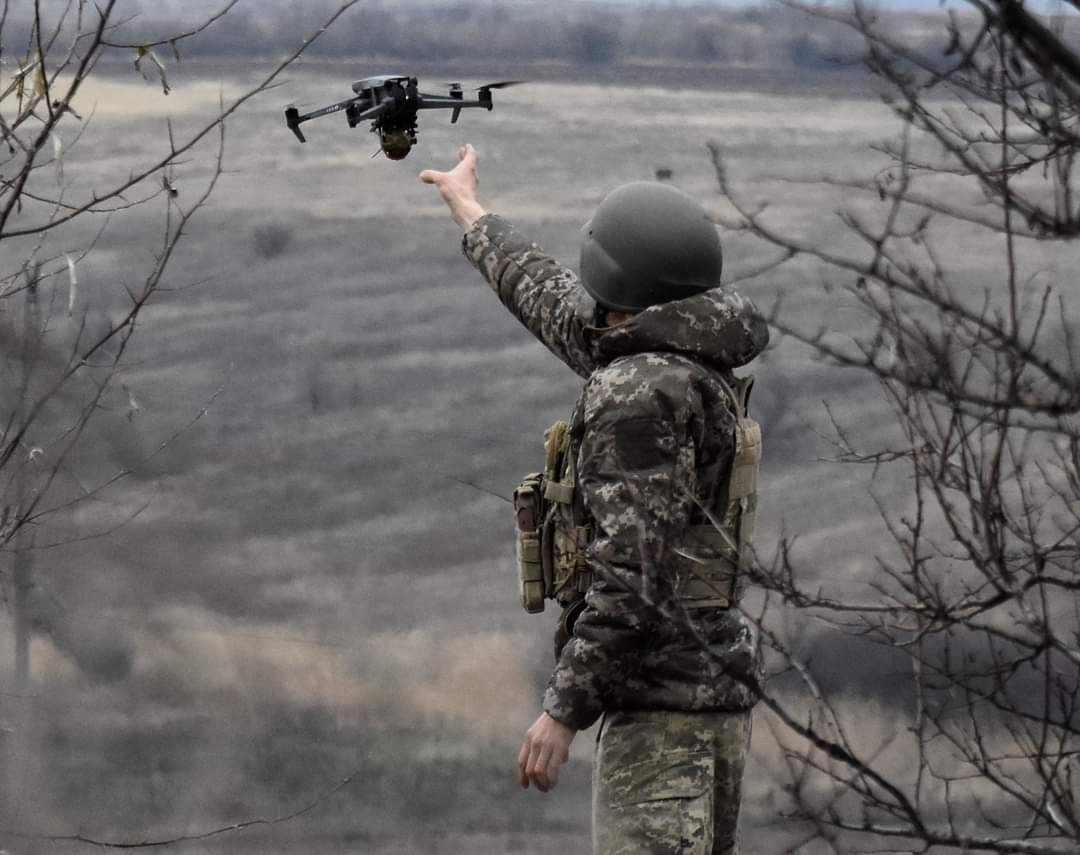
(430, 176)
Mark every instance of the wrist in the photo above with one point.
(557, 724)
(467, 212)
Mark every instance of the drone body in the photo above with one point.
(391, 103)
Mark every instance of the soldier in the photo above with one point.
(648, 508)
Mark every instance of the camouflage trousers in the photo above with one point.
(668, 782)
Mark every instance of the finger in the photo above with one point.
(531, 766)
(523, 759)
(538, 783)
(554, 764)
(539, 769)
(552, 771)
(461, 152)
(430, 176)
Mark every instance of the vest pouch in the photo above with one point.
(528, 518)
(742, 489)
(530, 573)
(550, 545)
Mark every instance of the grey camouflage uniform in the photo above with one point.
(653, 437)
(668, 781)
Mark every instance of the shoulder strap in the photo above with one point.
(742, 486)
(559, 473)
(743, 387)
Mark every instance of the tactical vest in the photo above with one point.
(553, 528)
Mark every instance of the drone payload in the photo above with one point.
(391, 104)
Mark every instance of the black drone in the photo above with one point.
(391, 103)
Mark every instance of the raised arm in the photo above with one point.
(539, 291)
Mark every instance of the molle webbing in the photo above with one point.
(564, 540)
(706, 575)
(711, 568)
(559, 474)
(551, 543)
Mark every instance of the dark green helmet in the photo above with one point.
(648, 243)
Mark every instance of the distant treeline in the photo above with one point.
(578, 33)
(509, 31)
(581, 33)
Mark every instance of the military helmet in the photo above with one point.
(648, 243)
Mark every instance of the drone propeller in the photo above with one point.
(502, 84)
(483, 93)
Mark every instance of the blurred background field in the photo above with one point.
(318, 581)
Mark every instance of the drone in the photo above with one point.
(391, 103)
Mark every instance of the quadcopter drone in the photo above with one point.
(391, 104)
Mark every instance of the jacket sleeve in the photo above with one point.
(540, 292)
(637, 473)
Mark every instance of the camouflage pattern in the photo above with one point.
(653, 435)
(719, 326)
(668, 782)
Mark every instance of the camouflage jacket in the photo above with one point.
(653, 434)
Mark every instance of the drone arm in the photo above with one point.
(370, 113)
(333, 108)
(436, 102)
(293, 117)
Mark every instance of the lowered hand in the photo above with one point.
(545, 750)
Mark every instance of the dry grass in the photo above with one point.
(308, 557)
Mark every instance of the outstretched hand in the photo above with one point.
(458, 187)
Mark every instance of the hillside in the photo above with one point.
(321, 580)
